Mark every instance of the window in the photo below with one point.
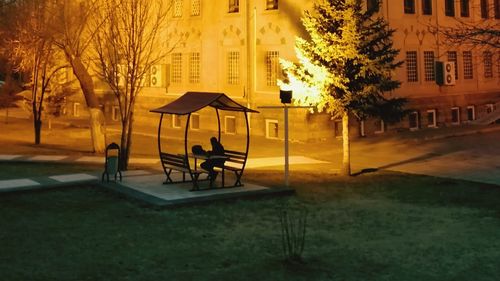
(429, 66)
(177, 8)
(411, 66)
(488, 64)
(468, 73)
(230, 125)
(195, 7)
(409, 6)
(272, 129)
(464, 8)
(176, 121)
(194, 68)
(372, 5)
(337, 124)
(413, 121)
(233, 68)
(452, 56)
(194, 122)
(234, 6)
(271, 4)
(484, 9)
(427, 7)
(380, 126)
(496, 7)
(449, 8)
(431, 118)
(455, 115)
(115, 113)
(471, 113)
(272, 67)
(176, 68)
(362, 128)
(76, 109)
(490, 108)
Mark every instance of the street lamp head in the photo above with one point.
(286, 96)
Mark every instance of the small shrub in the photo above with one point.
(293, 223)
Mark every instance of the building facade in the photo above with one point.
(234, 46)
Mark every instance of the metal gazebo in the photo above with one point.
(187, 104)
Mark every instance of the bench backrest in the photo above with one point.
(235, 158)
(173, 160)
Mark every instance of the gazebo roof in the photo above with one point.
(194, 101)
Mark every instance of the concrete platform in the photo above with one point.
(150, 188)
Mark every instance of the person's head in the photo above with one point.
(213, 140)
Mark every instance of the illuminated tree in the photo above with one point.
(73, 34)
(127, 46)
(30, 48)
(346, 65)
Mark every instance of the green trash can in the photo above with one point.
(112, 162)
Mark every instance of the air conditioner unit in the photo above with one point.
(156, 76)
(449, 73)
(445, 73)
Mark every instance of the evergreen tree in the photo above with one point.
(346, 65)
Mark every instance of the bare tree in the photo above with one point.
(483, 32)
(73, 36)
(31, 49)
(127, 46)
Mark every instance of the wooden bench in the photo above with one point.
(235, 163)
(179, 162)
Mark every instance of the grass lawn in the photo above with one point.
(377, 226)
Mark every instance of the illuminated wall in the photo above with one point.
(232, 47)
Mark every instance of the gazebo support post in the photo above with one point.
(186, 148)
(218, 123)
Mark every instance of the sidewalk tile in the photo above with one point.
(48, 158)
(73, 177)
(4, 184)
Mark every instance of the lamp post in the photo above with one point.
(286, 99)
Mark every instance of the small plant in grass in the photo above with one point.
(293, 223)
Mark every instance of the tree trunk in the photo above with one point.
(96, 116)
(38, 130)
(126, 142)
(7, 115)
(346, 159)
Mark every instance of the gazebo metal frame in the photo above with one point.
(192, 102)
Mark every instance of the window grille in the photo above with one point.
(468, 72)
(452, 56)
(195, 7)
(429, 66)
(176, 68)
(411, 66)
(234, 6)
(233, 68)
(177, 8)
(488, 64)
(272, 67)
(194, 68)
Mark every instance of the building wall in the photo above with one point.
(255, 31)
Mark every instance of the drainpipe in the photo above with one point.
(251, 60)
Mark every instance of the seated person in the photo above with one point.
(210, 163)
